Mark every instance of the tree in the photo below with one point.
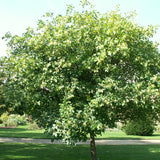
(2, 80)
(81, 72)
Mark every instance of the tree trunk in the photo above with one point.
(93, 147)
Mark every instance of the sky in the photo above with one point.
(17, 15)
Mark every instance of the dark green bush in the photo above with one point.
(1, 121)
(139, 127)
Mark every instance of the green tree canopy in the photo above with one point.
(2, 81)
(81, 72)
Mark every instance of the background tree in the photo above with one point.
(82, 72)
(2, 97)
(14, 102)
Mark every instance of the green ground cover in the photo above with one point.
(121, 135)
(23, 132)
(20, 151)
(12, 151)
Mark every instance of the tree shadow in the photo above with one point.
(20, 151)
(43, 151)
(129, 152)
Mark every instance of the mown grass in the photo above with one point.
(23, 132)
(16, 151)
(20, 151)
(115, 135)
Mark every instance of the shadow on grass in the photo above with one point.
(43, 151)
(9, 151)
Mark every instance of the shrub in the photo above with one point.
(13, 120)
(33, 126)
(21, 120)
(139, 127)
(11, 123)
(4, 117)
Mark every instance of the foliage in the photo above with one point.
(2, 80)
(33, 126)
(13, 120)
(21, 119)
(4, 117)
(81, 72)
(140, 127)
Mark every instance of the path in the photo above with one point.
(98, 142)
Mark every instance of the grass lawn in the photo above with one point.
(12, 151)
(121, 135)
(23, 132)
(20, 151)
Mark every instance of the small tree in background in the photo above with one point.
(82, 72)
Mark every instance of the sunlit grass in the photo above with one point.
(121, 135)
(22, 132)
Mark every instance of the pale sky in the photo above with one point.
(17, 15)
